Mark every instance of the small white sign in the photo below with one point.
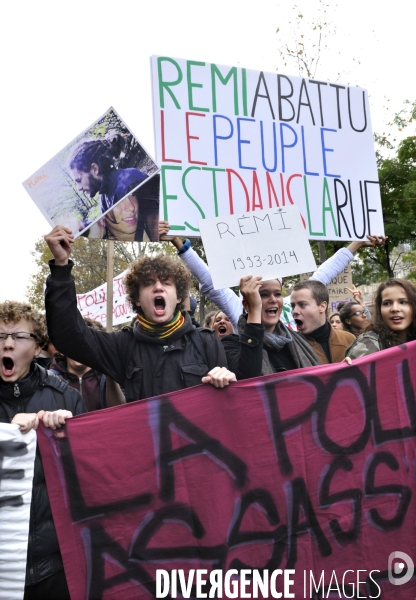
(271, 243)
(94, 304)
(17, 452)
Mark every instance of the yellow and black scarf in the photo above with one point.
(163, 330)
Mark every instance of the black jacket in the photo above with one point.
(91, 385)
(142, 365)
(39, 390)
(249, 355)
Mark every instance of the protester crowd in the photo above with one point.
(65, 366)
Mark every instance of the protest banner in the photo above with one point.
(271, 243)
(311, 470)
(232, 140)
(17, 457)
(92, 185)
(93, 304)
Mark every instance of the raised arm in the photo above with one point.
(245, 352)
(334, 265)
(66, 327)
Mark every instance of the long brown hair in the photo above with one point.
(389, 337)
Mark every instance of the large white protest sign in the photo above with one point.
(94, 304)
(232, 140)
(17, 456)
(103, 184)
(271, 243)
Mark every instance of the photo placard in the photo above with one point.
(102, 185)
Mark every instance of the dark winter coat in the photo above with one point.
(91, 385)
(39, 390)
(143, 366)
(248, 354)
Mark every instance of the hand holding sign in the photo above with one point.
(219, 377)
(163, 231)
(250, 290)
(26, 421)
(54, 419)
(375, 240)
(59, 241)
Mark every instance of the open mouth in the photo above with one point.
(272, 312)
(222, 330)
(130, 221)
(160, 305)
(8, 366)
(299, 323)
(396, 319)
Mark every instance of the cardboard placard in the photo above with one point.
(338, 288)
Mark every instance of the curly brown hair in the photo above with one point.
(94, 324)
(12, 311)
(389, 337)
(164, 267)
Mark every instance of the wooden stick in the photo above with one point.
(110, 277)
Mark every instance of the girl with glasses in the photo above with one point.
(353, 318)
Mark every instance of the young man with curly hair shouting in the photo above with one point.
(162, 353)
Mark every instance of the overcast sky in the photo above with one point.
(64, 64)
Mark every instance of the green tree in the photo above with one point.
(410, 260)
(397, 176)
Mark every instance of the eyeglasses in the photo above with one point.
(18, 335)
(357, 313)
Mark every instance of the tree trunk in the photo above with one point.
(322, 252)
(388, 264)
(110, 277)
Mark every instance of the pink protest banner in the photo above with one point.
(312, 471)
